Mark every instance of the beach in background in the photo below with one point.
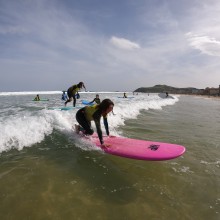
(48, 172)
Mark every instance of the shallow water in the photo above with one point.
(46, 172)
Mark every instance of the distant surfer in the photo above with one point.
(85, 115)
(125, 95)
(96, 99)
(167, 94)
(64, 96)
(72, 92)
(37, 98)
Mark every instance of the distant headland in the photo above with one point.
(174, 90)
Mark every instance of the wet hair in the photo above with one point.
(80, 84)
(104, 105)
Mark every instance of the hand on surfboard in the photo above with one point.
(105, 145)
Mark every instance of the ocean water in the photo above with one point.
(47, 172)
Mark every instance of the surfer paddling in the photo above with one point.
(85, 115)
(37, 98)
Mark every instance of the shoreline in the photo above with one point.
(202, 96)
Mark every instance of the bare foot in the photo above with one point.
(77, 128)
(105, 145)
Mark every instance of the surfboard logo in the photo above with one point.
(154, 147)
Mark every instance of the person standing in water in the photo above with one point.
(73, 91)
(85, 115)
(125, 95)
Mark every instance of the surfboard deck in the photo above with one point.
(67, 108)
(164, 96)
(85, 102)
(41, 100)
(129, 97)
(139, 149)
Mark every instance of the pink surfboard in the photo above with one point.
(139, 149)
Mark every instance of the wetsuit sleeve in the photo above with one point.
(97, 117)
(106, 125)
(92, 100)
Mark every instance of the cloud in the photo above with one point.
(66, 38)
(207, 45)
(13, 30)
(123, 43)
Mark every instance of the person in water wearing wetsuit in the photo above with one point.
(72, 91)
(125, 95)
(37, 98)
(96, 99)
(85, 115)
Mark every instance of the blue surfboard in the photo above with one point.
(130, 97)
(66, 108)
(41, 100)
(85, 102)
(165, 96)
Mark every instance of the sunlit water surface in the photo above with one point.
(47, 172)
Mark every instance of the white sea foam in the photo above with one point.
(17, 132)
(29, 127)
(42, 92)
(29, 93)
(217, 163)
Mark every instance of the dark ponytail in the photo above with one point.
(104, 105)
(80, 85)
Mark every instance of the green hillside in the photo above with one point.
(165, 88)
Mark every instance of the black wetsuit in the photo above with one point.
(71, 94)
(96, 100)
(86, 124)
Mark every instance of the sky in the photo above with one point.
(110, 45)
